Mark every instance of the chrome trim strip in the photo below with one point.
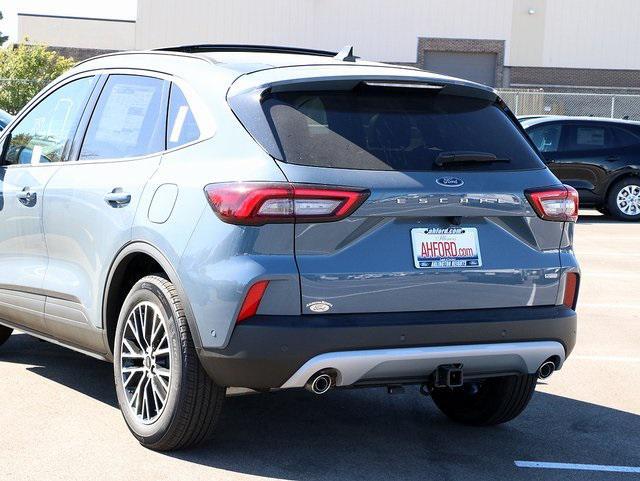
(40, 292)
(354, 366)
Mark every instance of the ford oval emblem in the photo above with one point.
(319, 306)
(449, 182)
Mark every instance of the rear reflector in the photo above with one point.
(571, 290)
(259, 203)
(557, 203)
(252, 300)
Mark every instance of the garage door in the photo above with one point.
(479, 67)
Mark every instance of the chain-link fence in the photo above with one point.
(538, 102)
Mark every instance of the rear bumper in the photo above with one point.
(284, 351)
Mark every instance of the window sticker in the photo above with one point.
(124, 114)
(590, 136)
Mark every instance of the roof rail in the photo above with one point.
(202, 48)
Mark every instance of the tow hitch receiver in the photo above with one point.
(449, 375)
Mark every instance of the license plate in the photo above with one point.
(437, 248)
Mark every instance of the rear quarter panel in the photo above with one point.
(217, 262)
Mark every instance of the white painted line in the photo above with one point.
(577, 467)
(605, 358)
(608, 305)
(595, 274)
(607, 254)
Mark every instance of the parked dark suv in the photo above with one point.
(598, 157)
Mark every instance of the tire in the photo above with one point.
(5, 332)
(170, 371)
(617, 206)
(493, 401)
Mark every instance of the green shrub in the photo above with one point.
(24, 70)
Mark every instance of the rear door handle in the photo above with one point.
(116, 198)
(612, 158)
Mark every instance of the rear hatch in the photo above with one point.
(447, 224)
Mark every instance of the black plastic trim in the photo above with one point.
(142, 247)
(265, 351)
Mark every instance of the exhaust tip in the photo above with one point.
(319, 383)
(546, 370)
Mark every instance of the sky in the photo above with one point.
(120, 9)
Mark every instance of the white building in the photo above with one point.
(565, 43)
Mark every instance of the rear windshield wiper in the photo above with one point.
(465, 157)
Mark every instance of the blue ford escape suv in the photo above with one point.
(211, 217)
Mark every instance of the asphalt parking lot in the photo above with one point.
(59, 418)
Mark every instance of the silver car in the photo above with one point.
(212, 217)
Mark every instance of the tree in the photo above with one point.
(3, 38)
(24, 70)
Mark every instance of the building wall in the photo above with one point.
(384, 30)
(526, 39)
(585, 43)
(580, 78)
(85, 33)
(560, 33)
(600, 34)
(79, 54)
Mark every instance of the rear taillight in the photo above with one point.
(571, 286)
(252, 300)
(557, 203)
(259, 203)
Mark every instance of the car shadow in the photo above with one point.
(369, 434)
(84, 374)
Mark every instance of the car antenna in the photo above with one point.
(346, 54)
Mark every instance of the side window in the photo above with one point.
(45, 133)
(587, 137)
(182, 127)
(129, 119)
(623, 138)
(546, 137)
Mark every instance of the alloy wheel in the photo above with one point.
(145, 361)
(628, 200)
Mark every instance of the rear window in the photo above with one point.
(383, 129)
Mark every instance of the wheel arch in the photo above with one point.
(115, 290)
(634, 172)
